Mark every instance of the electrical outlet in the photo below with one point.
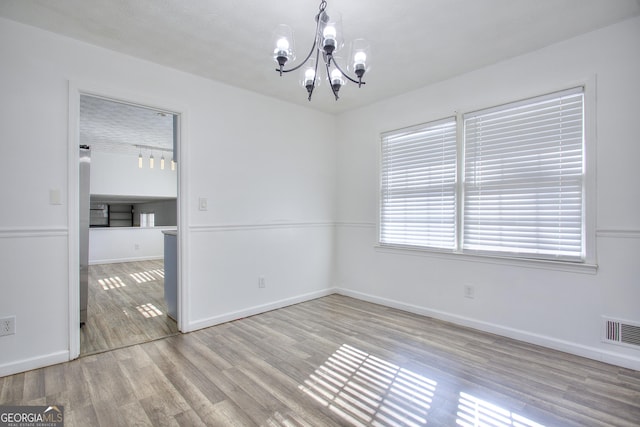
(8, 325)
(261, 282)
(469, 291)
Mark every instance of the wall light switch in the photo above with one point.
(54, 197)
(202, 203)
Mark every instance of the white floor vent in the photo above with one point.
(621, 332)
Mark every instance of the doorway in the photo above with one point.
(126, 286)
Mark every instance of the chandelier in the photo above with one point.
(327, 43)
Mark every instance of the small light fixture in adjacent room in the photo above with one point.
(162, 162)
(151, 161)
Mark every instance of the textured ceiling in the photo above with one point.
(114, 127)
(414, 42)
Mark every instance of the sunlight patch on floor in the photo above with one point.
(111, 283)
(148, 276)
(366, 390)
(474, 412)
(149, 310)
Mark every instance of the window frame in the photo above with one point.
(587, 265)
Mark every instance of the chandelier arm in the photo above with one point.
(323, 5)
(302, 63)
(315, 74)
(345, 74)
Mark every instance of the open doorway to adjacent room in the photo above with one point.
(128, 211)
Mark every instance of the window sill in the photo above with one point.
(571, 267)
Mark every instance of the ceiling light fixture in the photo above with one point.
(326, 43)
(152, 160)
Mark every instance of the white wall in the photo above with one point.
(560, 309)
(125, 244)
(118, 174)
(270, 193)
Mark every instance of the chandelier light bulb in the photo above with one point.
(360, 54)
(336, 80)
(359, 61)
(309, 75)
(329, 44)
(281, 52)
(360, 58)
(140, 161)
(151, 161)
(162, 162)
(283, 42)
(336, 76)
(309, 79)
(329, 32)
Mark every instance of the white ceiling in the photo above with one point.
(414, 42)
(114, 127)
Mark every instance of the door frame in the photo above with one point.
(76, 89)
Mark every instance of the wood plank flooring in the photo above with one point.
(126, 306)
(333, 361)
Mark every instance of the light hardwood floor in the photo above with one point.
(126, 306)
(333, 361)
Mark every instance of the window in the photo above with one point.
(419, 186)
(522, 187)
(523, 177)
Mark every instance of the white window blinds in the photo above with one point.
(418, 186)
(523, 178)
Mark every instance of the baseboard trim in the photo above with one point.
(258, 309)
(600, 355)
(34, 363)
(118, 260)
